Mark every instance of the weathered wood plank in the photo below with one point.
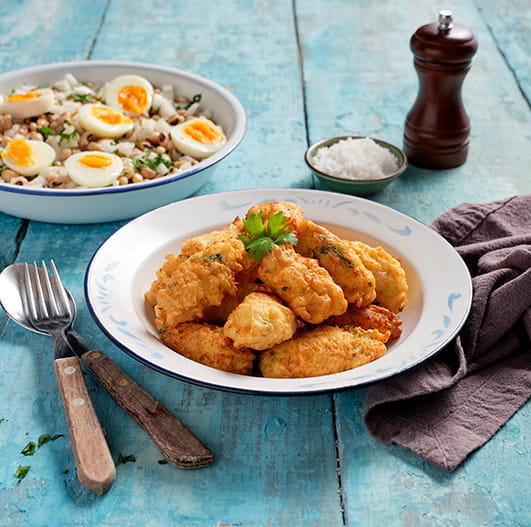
(35, 33)
(248, 47)
(509, 23)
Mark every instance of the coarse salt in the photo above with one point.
(355, 159)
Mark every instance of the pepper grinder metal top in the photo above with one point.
(437, 128)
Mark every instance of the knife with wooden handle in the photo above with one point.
(179, 446)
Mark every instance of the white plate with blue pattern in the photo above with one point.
(123, 268)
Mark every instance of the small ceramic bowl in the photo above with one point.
(358, 187)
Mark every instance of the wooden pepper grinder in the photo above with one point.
(437, 128)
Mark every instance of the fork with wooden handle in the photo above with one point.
(48, 313)
(179, 446)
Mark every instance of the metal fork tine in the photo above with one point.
(49, 291)
(57, 287)
(42, 309)
(29, 291)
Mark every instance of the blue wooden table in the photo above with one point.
(304, 71)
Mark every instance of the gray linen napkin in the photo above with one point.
(456, 401)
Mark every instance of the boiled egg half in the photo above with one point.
(28, 157)
(104, 121)
(198, 137)
(94, 169)
(29, 104)
(130, 94)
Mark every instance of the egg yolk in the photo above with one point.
(95, 161)
(203, 133)
(20, 152)
(21, 97)
(108, 116)
(133, 99)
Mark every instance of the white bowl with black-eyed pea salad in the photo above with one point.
(97, 141)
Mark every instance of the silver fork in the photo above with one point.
(50, 309)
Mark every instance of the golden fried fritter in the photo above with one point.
(305, 286)
(246, 283)
(201, 276)
(222, 245)
(391, 283)
(194, 286)
(340, 260)
(208, 345)
(370, 317)
(163, 277)
(260, 322)
(294, 214)
(321, 351)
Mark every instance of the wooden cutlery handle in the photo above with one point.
(179, 446)
(95, 466)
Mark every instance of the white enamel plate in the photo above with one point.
(123, 268)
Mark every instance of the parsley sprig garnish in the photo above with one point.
(263, 236)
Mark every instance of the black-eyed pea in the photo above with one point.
(93, 146)
(35, 136)
(19, 180)
(148, 173)
(66, 116)
(8, 175)
(6, 122)
(174, 119)
(123, 180)
(136, 178)
(85, 139)
(128, 172)
(58, 179)
(66, 153)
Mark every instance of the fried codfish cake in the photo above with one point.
(200, 277)
(293, 213)
(246, 283)
(221, 242)
(370, 317)
(391, 283)
(321, 351)
(191, 289)
(208, 345)
(305, 286)
(163, 277)
(340, 260)
(260, 322)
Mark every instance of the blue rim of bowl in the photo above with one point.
(235, 139)
(332, 140)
